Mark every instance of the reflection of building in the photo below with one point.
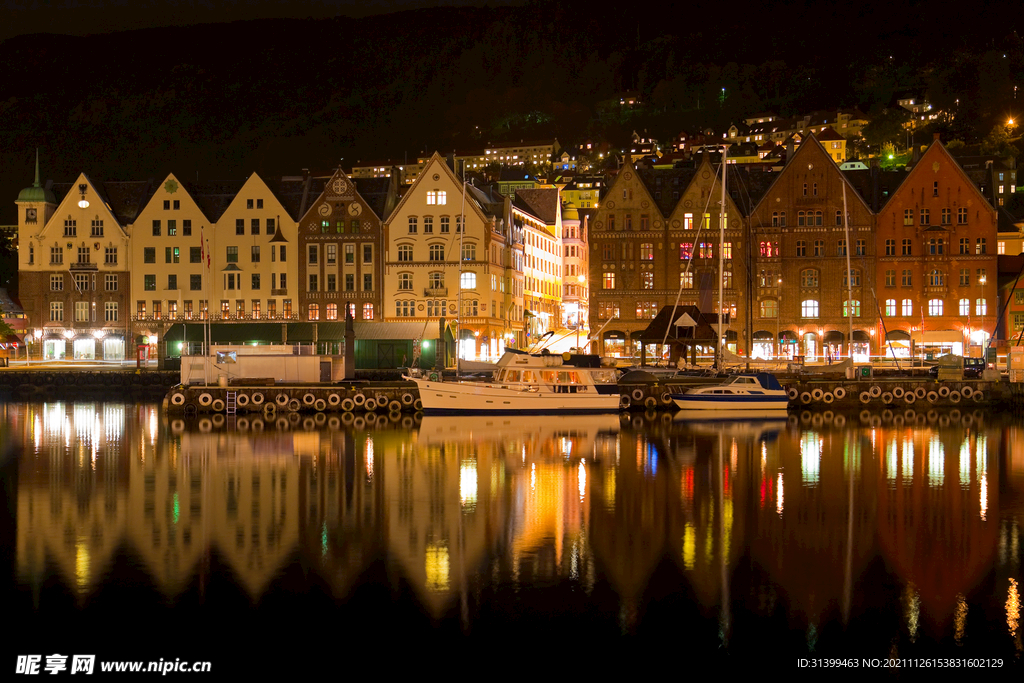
(445, 512)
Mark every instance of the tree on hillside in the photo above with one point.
(886, 126)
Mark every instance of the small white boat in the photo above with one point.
(528, 383)
(756, 392)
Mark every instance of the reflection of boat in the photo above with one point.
(583, 429)
(528, 383)
(757, 392)
(745, 424)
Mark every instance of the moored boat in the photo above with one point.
(528, 383)
(753, 392)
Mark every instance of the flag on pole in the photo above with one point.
(202, 246)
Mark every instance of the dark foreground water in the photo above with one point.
(499, 547)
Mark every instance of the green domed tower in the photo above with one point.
(31, 200)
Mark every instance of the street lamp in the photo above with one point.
(582, 279)
(981, 281)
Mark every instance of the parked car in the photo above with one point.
(973, 367)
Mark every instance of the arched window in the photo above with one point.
(314, 311)
(405, 252)
(936, 278)
(809, 278)
(934, 307)
(801, 218)
(468, 280)
(770, 308)
(405, 281)
(332, 312)
(817, 214)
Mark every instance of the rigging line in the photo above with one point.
(689, 262)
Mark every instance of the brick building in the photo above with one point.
(800, 280)
(937, 263)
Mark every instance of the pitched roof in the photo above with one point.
(541, 202)
(705, 328)
(827, 134)
(297, 194)
(875, 186)
(375, 192)
(213, 196)
(671, 178)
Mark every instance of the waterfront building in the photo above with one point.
(73, 266)
(800, 291)
(341, 264)
(575, 270)
(170, 273)
(937, 262)
(430, 261)
(539, 213)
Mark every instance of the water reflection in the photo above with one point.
(913, 530)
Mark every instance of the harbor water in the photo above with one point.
(426, 544)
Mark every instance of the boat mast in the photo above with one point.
(719, 352)
(462, 235)
(849, 277)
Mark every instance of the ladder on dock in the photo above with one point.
(231, 404)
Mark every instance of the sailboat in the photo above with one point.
(746, 392)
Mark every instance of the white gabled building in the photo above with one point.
(431, 266)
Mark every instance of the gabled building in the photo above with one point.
(170, 278)
(800, 294)
(937, 263)
(431, 265)
(575, 268)
(73, 262)
(341, 262)
(539, 212)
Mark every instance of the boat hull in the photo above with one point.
(730, 402)
(451, 398)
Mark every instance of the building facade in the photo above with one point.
(74, 262)
(801, 291)
(433, 268)
(341, 262)
(937, 261)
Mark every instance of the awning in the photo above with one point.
(787, 336)
(860, 336)
(225, 333)
(938, 337)
(614, 334)
(834, 337)
(763, 335)
(897, 335)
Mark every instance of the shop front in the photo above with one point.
(613, 343)
(764, 345)
(861, 347)
(788, 345)
(54, 347)
(930, 344)
(897, 344)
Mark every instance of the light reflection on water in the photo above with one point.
(797, 516)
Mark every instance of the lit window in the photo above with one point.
(935, 307)
(809, 308)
